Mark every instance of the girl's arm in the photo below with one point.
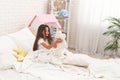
(46, 46)
(53, 44)
(58, 40)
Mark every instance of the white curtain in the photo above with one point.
(89, 23)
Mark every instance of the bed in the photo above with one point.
(11, 69)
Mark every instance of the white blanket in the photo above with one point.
(46, 67)
(99, 69)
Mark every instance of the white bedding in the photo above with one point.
(98, 69)
(33, 69)
(51, 71)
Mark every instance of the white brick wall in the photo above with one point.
(16, 14)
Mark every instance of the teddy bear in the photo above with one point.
(20, 54)
(62, 48)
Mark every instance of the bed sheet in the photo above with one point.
(99, 69)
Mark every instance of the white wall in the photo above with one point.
(16, 14)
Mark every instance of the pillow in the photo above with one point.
(6, 45)
(6, 49)
(7, 61)
(23, 38)
(76, 59)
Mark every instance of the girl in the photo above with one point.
(44, 40)
(45, 46)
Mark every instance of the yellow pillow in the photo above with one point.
(20, 54)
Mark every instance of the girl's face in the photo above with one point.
(46, 31)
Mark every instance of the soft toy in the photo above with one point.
(63, 13)
(61, 49)
(20, 54)
(63, 44)
(53, 31)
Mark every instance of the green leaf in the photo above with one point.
(113, 46)
(114, 32)
(110, 26)
(116, 24)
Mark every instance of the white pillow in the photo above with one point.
(23, 38)
(7, 61)
(76, 59)
(6, 45)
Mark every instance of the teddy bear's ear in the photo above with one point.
(18, 50)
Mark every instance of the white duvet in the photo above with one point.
(33, 69)
(107, 69)
(47, 67)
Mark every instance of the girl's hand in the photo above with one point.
(54, 44)
(59, 40)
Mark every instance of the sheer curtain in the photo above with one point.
(90, 23)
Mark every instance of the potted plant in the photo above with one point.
(114, 32)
